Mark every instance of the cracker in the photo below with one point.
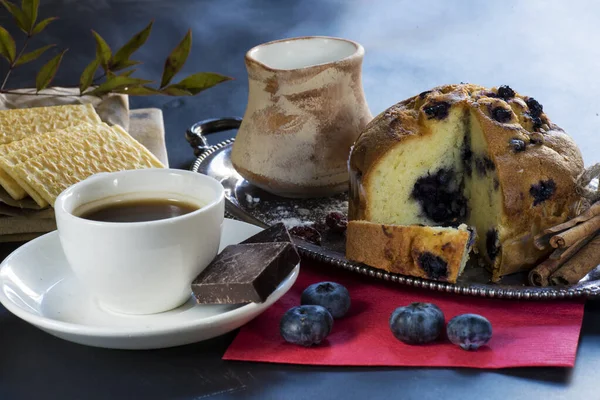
(19, 123)
(19, 151)
(103, 149)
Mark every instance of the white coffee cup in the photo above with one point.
(141, 267)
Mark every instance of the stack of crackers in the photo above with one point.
(44, 150)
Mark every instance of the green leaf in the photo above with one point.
(32, 55)
(128, 73)
(42, 25)
(30, 9)
(137, 41)
(176, 59)
(8, 49)
(87, 76)
(139, 91)
(200, 81)
(48, 71)
(124, 64)
(173, 90)
(17, 14)
(118, 82)
(103, 52)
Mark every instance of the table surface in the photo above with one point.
(541, 49)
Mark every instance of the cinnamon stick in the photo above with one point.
(542, 240)
(588, 214)
(539, 275)
(567, 252)
(579, 265)
(570, 236)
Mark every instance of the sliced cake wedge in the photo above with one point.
(436, 253)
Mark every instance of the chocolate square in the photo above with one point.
(275, 233)
(245, 273)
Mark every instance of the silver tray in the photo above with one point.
(251, 204)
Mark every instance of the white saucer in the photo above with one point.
(36, 284)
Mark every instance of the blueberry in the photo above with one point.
(440, 196)
(435, 267)
(501, 115)
(506, 92)
(535, 108)
(469, 331)
(306, 325)
(422, 95)
(333, 296)
(437, 109)
(417, 323)
(542, 191)
(492, 243)
(517, 145)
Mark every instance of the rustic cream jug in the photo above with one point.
(306, 107)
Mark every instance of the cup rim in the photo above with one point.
(59, 205)
(358, 52)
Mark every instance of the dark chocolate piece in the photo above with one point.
(275, 233)
(245, 273)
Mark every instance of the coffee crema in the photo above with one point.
(139, 210)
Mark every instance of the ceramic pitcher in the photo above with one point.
(306, 107)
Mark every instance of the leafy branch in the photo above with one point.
(117, 72)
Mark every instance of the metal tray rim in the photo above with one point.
(581, 290)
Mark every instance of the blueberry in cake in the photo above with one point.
(489, 158)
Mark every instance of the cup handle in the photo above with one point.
(195, 134)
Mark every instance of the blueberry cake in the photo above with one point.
(490, 158)
(438, 253)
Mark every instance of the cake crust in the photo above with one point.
(421, 251)
(536, 162)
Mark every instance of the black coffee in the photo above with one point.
(139, 210)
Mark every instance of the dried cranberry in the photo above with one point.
(517, 145)
(336, 221)
(506, 92)
(306, 233)
(501, 114)
(535, 108)
(437, 110)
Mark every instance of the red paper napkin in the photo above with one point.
(525, 333)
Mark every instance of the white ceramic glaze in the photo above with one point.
(294, 54)
(37, 285)
(141, 267)
(306, 107)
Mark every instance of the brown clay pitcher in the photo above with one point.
(306, 107)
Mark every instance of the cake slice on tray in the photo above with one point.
(428, 252)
